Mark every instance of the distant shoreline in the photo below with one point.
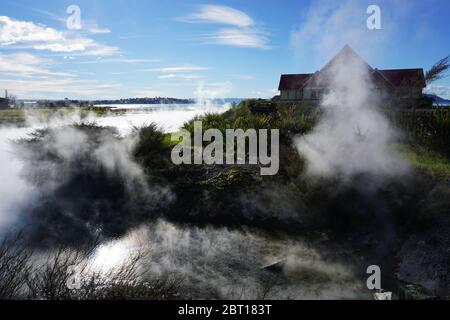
(126, 101)
(144, 101)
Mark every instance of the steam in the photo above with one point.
(26, 182)
(229, 264)
(84, 185)
(352, 137)
(18, 194)
(15, 192)
(205, 94)
(60, 186)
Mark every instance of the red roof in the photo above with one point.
(293, 81)
(404, 76)
(395, 77)
(382, 78)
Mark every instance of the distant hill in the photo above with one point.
(436, 99)
(160, 100)
(157, 100)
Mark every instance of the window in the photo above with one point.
(306, 93)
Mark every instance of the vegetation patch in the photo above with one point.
(424, 159)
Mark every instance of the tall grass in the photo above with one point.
(286, 118)
(25, 274)
(425, 127)
(14, 267)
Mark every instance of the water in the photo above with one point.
(169, 117)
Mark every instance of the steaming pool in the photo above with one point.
(169, 117)
(229, 262)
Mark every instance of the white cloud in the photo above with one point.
(98, 30)
(168, 76)
(60, 88)
(328, 25)
(97, 49)
(179, 69)
(88, 26)
(243, 33)
(439, 90)
(181, 76)
(40, 37)
(121, 60)
(80, 44)
(30, 76)
(221, 15)
(13, 31)
(249, 38)
(24, 64)
(211, 91)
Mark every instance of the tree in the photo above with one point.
(438, 70)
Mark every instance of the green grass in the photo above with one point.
(19, 115)
(12, 115)
(427, 160)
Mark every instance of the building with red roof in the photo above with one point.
(404, 84)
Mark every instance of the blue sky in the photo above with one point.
(183, 48)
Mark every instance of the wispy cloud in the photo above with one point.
(31, 76)
(440, 90)
(94, 28)
(329, 25)
(44, 88)
(249, 38)
(219, 14)
(28, 65)
(212, 90)
(87, 26)
(121, 60)
(178, 69)
(14, 31)
(39, 37)
(243, 33)
(181, 76)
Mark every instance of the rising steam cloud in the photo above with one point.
(230, 264)
(352, 136)
(73, 181)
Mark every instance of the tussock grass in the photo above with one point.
(426, 160)
(23, 275)
(12, 115)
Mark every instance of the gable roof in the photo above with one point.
(404, 76)
(381, 78)
(293, 81)
(346, 56)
